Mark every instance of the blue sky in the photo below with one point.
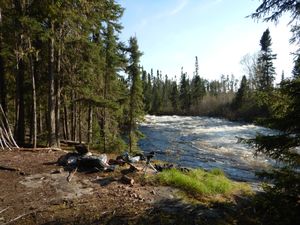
(171, 33)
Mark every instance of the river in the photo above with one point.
(204, 142)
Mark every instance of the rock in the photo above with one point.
(134, 195)
(153, 192)
(57, 171)
(127, 180)
(140, 197)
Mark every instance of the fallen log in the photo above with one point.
(41, 149)
(71, 143)
(7, 168)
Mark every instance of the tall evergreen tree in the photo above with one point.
(197, 90)
(281, 199)
(197, 86)
(241, 93)
(147, 87)
(136, 93)
(184, 93)
(174, 97)
(265, 70)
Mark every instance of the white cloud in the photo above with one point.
(160, 15)
(178, 8)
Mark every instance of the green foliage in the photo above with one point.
(90, 96)
(279, 204)
(285, 116)
(265, 70)
(136, 105)
(187, 97)
(242, 94)
(280, 201)
(296, 69)
(197, 90)
(184, 94)
(200, 183)
(174, 97)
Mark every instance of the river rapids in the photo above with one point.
(206, 143)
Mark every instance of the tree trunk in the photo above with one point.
(104, 128)
(90, 124)
(40, 119)
(58, 93)
(34, 117)
(79, 125)
(20, 105)
(2, 73)
(66, 124)
(73, 117)
(51, 94)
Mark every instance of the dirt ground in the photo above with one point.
(38, 192)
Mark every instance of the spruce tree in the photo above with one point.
(265, 70)
(174, 97)
(241, 93)
(281, 199)
(197, 87)
(136, 105)
(184, 94)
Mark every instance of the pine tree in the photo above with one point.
(136, 93)
(184, 94)
(265, 70)
(241, 93)
(174, 97)
(147, 87)
(197, 87)
(157, 94)
(281, 199)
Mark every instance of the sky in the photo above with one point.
(171, 33)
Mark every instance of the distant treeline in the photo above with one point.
(227, 97)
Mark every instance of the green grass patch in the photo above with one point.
(199, 182)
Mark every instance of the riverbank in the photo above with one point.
(37, 192)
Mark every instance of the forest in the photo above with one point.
(66, 76)
(60, 70)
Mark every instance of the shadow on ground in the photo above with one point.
(173, 211)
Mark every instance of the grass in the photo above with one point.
(199, 182)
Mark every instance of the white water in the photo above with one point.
(204, 142)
